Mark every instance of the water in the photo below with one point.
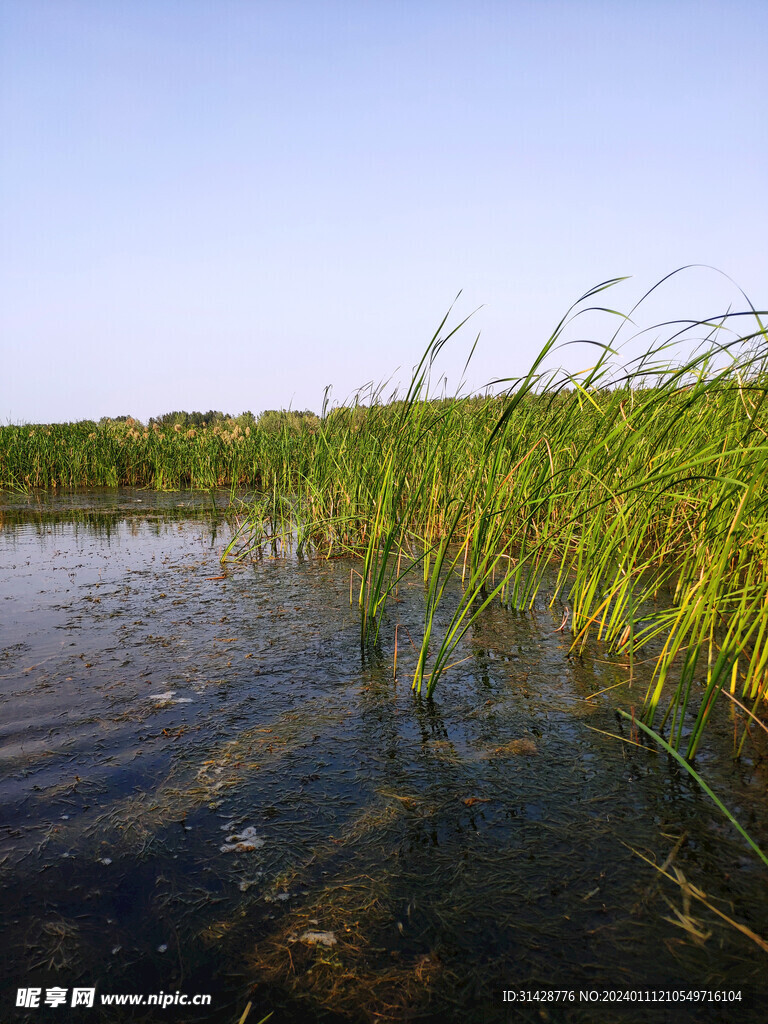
(205, 789)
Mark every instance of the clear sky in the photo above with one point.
(232, 203)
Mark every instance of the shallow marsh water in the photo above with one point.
(204, 788)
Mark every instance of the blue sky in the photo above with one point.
(232, 203)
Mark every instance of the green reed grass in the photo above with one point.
(633, 494)
(637, 488)
(124, 453)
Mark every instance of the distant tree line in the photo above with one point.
(273, 420)
(198, 419)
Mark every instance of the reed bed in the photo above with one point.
(632, 494)
(115, 453)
